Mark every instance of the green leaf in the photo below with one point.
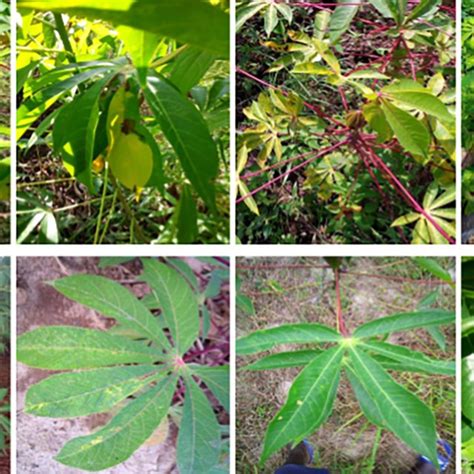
(412, 94)
(342, 18)
(467, 394)
(416, 360)
(64, 347)
(74, 133)
(312, 68)
(302, 333)
(245, 304)
(114, 301)
(405, 321)
(249, 201)
(217, 379)
(424, 7)
(246, 12)
(178, 302)
(285, 11)
(49, 232)
(403, 413)
(386, 8)
(369, 408)
(271, 19)
(190, 67)
(433, 267)
(124, 434)
(376, 119)
(309, 402)
(406, 219)
(83, 393)
(411, 133)
(283, 360)
(188, 134)
(199, 436)
(186, 217)
(197, 23)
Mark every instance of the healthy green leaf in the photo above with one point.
(411, 133)
(64, 347)
(178, 302)
(124, 434)
(309, 402)
(83, 393)
(403, 413)
(187, 132)
(271, 19)
(186, 217)
(416, 360)
(265, 339)
(431, 265)
(199, 435)
(467, 394)
(342, 18)
(114, 301)
(197, 23)
(247, 12)
(217, 379)
(283, 360)
(405, 321)
(424, 7)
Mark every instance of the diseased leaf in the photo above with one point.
(114, 301)
(83, 393)
(177, 300)
(309, 402)
(65, 347)
(342, 18)
(404, 322)
(403, 413)
(303, 333)
(124, 434)
(199, 435)
(217, 379)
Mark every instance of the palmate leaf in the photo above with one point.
(86, 392)
(217, 379)
(177, 301)
(403, 413)
(114, 301)
(405, 321)
(265, 339)
(199, 434)
(309, 402)
(124, 434)
(65, 347)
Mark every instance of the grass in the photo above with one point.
(347, 443)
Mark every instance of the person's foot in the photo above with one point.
(302, 454)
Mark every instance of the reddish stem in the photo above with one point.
(340, 319)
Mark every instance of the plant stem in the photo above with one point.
(341, 327)
(375, 447)
(134, 227)
(109, 217)
(102, 205)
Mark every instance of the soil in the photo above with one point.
(345, 442)
(40, 439)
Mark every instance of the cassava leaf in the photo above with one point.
(177, 300)
(199, 435)
(114, 301)
(302, 333)
(188, 134)
(309, 402)
(467, 394)
(124, 434)
(64, 347)
(217, 379)
(431, 265)
(86, 392)
(416, 360)
(405, 321)
(283, 360)
(410, 132)
(342, 18)
(403, 413)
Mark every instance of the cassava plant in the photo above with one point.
(138, 371)
(355, 115)
(467, 364)
(364, 356)
(132, 96)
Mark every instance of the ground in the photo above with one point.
(345, 442)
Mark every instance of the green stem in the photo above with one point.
(168, 58)
(58, 18)
(109, 217)
(47, 181)
(375, 447)
(128, 211)
(102, 205)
